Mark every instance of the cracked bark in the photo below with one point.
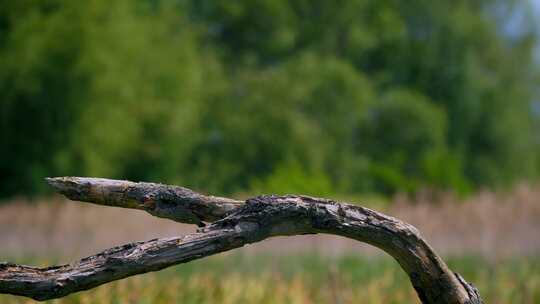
(231, 224)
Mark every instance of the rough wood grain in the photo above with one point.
(173, 202)
(232, 224)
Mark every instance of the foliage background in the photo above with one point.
(347, 99)
(321, 97)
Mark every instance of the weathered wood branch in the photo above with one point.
(173, 202)
(233, 224)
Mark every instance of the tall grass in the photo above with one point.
(306, 279)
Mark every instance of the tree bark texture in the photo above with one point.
(227, 224)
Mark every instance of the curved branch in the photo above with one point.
(234, 224)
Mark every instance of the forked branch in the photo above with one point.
(232, 224)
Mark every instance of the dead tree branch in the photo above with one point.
(233, 224)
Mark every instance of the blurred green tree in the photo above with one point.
(229, 96)
(95, 88)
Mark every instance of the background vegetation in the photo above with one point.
(319, 97)
(343, 98)
(305, 279)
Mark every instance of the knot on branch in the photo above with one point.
(258, 211)
(172, 202)
(271, 215)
